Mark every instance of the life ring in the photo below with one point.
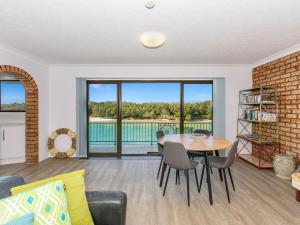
(51, 147)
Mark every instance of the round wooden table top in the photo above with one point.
(197, 143)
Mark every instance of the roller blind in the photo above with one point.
(81, 117)
(219, 107)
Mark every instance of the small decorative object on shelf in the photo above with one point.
(257, 125)
(284, 166)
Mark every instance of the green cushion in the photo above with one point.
(27, 219)
(48, 202)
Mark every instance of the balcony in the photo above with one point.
(137, 137)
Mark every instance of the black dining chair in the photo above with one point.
(176, 157)
(195, 154)
(222, 163)
(160, 134)
(199, 132)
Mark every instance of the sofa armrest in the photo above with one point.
(8, 182)
(107, 207)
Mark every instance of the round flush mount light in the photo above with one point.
(152, 39)
(149, 4)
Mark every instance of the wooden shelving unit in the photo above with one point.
(258, 109)
(259, 163)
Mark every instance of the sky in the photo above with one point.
(150, 92)
(12, 92)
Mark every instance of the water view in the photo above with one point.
(146, 108)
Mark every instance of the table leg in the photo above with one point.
(208, 177)
(220, 172)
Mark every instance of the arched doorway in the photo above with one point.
(32, 112)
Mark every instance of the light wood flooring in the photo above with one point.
(260, 197)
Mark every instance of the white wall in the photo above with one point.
(62, 91)
(57, 86)
(39, 71)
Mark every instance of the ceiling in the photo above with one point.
(107, 31)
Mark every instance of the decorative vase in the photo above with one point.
(284, 165)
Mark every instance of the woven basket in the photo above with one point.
(284, 166)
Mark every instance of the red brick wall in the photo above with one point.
(32, 112)
(284, 73)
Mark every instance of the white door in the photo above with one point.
(12, 142)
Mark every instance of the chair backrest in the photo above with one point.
(159, 134)
(199, 131)
(231, 154)
(176, 156)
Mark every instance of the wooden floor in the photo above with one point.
(260, 197)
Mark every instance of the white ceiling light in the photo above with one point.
(149, 5)
(152, 39)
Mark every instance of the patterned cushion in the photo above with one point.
(75, 190)
(48, 202)
(27, 219)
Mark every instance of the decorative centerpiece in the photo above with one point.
(284, 165)
(199, 135)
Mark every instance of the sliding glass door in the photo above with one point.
(198, 98)
(102, 117)
(146, 108)
(124, 116)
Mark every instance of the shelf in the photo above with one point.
(259, 88)
(262, 103)
(256, 121)
(260, 163)
(256, 141)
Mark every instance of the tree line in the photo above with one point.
(170, 111)
(13, 107)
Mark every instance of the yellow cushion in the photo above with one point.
(75, 190)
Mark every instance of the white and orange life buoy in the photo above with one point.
(51, 146)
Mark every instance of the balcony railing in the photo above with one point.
(139, 132)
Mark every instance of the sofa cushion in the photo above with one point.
(27, 219)
(48, 203)
(6, 183)
(107, 207)
(75, 189)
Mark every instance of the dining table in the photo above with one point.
(196, 143)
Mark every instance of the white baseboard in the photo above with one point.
(12, 160)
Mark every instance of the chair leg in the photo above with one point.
(178, 172)
(167, 181)
(220, 173)
(196, 176)
(188, 186)
(226, 185)
(176, 177)
(201, 179)
(161, 161)
(211, 171)
(164, 166)
(220, 170)
(231, 179)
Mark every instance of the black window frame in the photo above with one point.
(1, 110)
(119, 83)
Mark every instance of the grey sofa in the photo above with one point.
(107, 207)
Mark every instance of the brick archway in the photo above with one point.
(32, 114)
